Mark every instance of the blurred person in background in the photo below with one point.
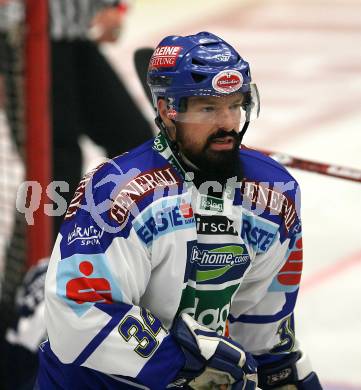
(87, 97)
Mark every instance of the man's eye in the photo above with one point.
(236, 106)
(208, 109)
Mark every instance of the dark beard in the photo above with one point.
(216, 166)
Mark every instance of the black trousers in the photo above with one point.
(89, 98)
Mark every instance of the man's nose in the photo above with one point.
(225, 120)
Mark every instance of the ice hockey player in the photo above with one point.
(178, 263)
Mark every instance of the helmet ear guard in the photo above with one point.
(162, 126)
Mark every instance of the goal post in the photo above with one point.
(37, 119)
(25, 142)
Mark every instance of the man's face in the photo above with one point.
(207, 133)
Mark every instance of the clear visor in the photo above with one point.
(230, 111)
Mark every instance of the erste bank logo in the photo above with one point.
(84, 280)
(164, 217)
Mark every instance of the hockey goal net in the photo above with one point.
(24, 141)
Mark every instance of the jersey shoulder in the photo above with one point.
(139, 160)
(269, 191)
(114, 193)
(135, 174)
(260, 167)
(141, 157)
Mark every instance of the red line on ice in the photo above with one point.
(331, 271)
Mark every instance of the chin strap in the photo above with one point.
(245, 126)
(173, 144)
(243, 131)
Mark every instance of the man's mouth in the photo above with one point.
(222, 143)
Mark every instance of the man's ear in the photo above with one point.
(163, 113)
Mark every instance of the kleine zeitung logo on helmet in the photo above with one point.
(164, 57)
(227, 81)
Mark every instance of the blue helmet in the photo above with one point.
(199, 65)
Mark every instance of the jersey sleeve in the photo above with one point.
(261, 317)
(97, 275)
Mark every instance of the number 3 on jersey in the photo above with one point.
(286, 333)
(144, 332)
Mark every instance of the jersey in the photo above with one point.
(140, 244)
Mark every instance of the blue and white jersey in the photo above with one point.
(140, 244)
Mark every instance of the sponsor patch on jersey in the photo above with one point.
(211, 203)
(164, 57)
(227, 255)
(79, 193)
(215, 225)
(85, 235)
(216, 263)
(208, 307)
(227, 81)
(213, 275)
(262, 197)
(290, 273)
(257, 233)
(140, 186)
(160, 143)
(165, 217)
(289, 276)
(84, 280)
